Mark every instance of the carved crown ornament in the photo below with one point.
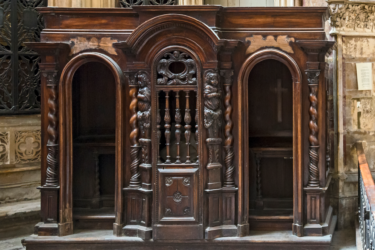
(352, 17)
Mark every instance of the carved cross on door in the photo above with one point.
(279, 91)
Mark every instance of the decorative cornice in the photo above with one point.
(349, 17)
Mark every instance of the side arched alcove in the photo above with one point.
(262, 58)
(92, 126)
(180, 90)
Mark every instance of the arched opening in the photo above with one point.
(270, 130)
(268, 66)
(93, 129)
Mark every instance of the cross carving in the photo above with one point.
(279, 91)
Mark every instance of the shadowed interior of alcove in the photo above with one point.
(271, 146)
(94, 146)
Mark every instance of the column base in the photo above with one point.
(243, 230)
(221, 231)
(47, 229)
(117, 229)
(323, 228)
(145, 233)
(65, 228)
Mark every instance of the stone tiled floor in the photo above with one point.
(342, 240)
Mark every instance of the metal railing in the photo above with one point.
(366, 200)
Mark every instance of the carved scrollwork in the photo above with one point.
(186, 77)
(313, 79)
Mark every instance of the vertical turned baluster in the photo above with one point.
(196, 127)
(187, 127)
(178, 120)
(167, 126)
(158, 120)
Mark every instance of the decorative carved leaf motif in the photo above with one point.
(186, 211)
(177, 197)
(168, 211)
(186, 181)
(168, 181)
(186, 77)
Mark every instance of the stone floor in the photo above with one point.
(342, 240)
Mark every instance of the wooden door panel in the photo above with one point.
(178, 195)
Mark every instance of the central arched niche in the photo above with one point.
(270, 112)
(93, 111)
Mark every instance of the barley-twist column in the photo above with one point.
(313, 79)
(228, 144)
(135, 148)
(52, 130)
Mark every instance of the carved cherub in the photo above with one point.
(144, 102)
(212, 111)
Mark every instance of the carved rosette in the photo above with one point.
(313, 79)
(212, 116)
(229, 155)
(134, 148)
(52, 130)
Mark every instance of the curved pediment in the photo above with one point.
(153, 32)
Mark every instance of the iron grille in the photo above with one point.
(19, 71)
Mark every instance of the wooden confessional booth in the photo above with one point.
(183, 127)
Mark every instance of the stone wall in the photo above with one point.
(353, 27)
(20, 157)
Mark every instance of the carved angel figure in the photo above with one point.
(144, 103)
(212, 111)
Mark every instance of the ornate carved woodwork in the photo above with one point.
(144, 118)
(178, 119)
(135, 147)
(228, 144)
(197, 127)
(187, 119)
(313, 79)
(167, 126)
(318, 183)
(212, 118)
(183, 63)
(52, 130)
(184, 170)
(131, 3)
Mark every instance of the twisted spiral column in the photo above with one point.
(229, 155)
(52, 131)
(313, 79)
(135, 148)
